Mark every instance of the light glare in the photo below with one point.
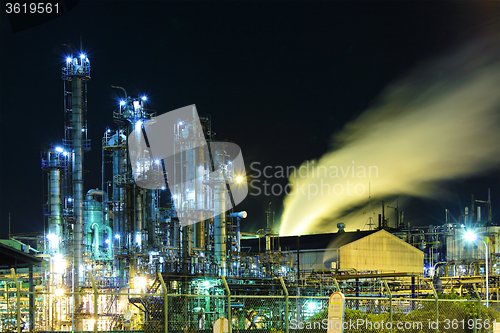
(470, 236)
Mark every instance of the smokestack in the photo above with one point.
(77, 124)
(472, 211)
(77, 70)
(489, 208)
(55, 207)
(383, 212)
(220, 190)
(220, 227)
(269, 228)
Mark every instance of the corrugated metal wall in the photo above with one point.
(382, 252)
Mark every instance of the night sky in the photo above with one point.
(278, 78)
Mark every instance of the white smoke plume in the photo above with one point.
(439, 123)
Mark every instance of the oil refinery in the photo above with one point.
(126, 242)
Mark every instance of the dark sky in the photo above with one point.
(278, 78)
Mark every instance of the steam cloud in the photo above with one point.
(441, 122)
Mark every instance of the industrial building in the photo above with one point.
(376, 251)
(119, 237)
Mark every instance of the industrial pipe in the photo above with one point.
(94, 192)
(243, 214)
(95, 245)
(110, 238)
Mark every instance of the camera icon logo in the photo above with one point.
(205, 178)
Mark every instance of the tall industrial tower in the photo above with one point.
(75, 75)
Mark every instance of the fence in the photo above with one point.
(161, 311)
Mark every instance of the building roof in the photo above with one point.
(13, 258)
(306, 242)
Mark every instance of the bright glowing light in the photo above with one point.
(181, 123)
(82, 56)
(70, 199)
(138, 238)
(229, 162)
(144, 98)
(174, 196)
(59, 292)
(311, 306)
(52, 237)
(239, 179)
(59, 149)
(65, 153)
(106, 241)
(163, 188)
(470, 236)
(122, 103)
(206, 283)
(138, 125)
(140, 282)
(83, 129)
(59, 264)
(157, 162)
(109, 131)
(92, 321)
(117, 236)
(68, 59)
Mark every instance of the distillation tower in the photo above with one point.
(175, 216)
(125, 233)
(65, 174)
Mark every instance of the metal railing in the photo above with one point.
(170, 310)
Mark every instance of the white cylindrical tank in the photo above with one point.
(55, 208)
